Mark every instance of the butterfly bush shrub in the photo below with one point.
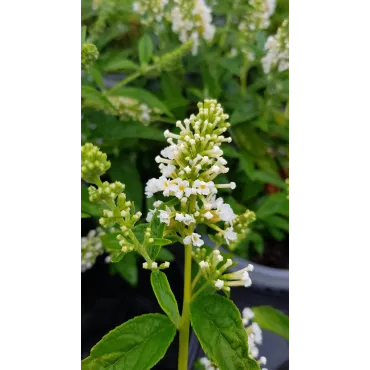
(189, 196)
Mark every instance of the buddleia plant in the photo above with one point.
(187, 195)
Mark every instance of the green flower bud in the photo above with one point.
(94, 163)
(172, 60)
(105, 192)
(89, 54)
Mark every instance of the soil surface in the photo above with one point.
(275, 254)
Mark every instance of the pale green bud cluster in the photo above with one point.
(213, 268)
(106, 191)
(119, 211)
(93, 163)
(91, 248)
(89, 54)
(172, 60)
(131, 109)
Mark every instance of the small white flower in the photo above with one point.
(165, 216)
(256, 330)
(248, 314)
(205, 362)
(230, 234)
(226, 213)
(154, 265)
(204, 188)
(168, 170)
(263, 360)
(219, 284)
(179, 187)
(164, 185)
(157, 203)
(169, 152)
(150, 215)
(152, 186)
(208, 215)
(187, 169)
(203, 264)
(194, 239)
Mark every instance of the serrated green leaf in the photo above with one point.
(127, 268)
(271, 319)
(145, 49)
(143, 96)
(165, 296)
(218, 325)
(137, 344)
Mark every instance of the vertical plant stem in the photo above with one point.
(185, 318)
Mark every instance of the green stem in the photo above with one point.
(243, 77)
(185, 318)
(125, 81)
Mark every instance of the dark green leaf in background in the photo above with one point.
(124, 169)
(271, 319)
(127, 268)
(145, 49)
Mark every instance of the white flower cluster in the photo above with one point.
(254, 339)
(192, 20)
(150, 10)
(277, 47)
(254, 335)
(91, 248)
(256, 18)
(213, 269)
(189, 166)
(131, 109)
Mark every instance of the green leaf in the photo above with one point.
(127, 268)
(110, 242)
(113, 129)
(98, 77)
(278, 222)
(84, 215)
(268, 178)
(124, 169)
(118, 257)
(87, 207)
(165, 297)
(273, 204)
(119, 65)
(165, 255)
(137, 344)
(143, 96)
(162, 241)
(95, 98)
(145, 49)
(218, 325)
(271, 319)
(83, 34)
